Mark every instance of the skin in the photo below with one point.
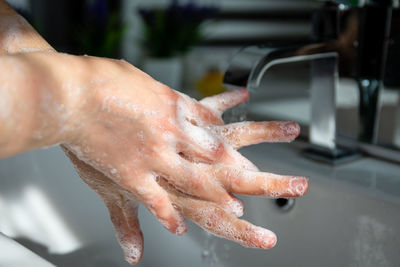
(134, 140)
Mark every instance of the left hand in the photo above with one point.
(236, 174)
(229, 169)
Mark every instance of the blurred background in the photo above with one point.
(198, 37)
(351, 215)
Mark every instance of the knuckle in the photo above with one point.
(218, 150)
(197, 184)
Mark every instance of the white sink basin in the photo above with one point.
(14, 255)
(350, 217)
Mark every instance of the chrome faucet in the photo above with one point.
(250, 64)
(342, 45)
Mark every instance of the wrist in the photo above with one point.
(46, 102)
(67, 103)
(78, 80)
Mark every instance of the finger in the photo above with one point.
(188, 178)
(248, 182)
(95, 179)
(190, 110)
(229, 99)
(199, 145)
(156, 200)
(234, 158)
(124, 218)
(209, 149)
(219, 222)
(123, 212)
(144, 189)
(249, 133)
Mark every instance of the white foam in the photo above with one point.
(299, 188)
(182, 228)
(168, 137)
(110, 102)
(240, 161)
(198, 135)
(214, 224)
(132, 247)
(235, 207)
(219, 103)
(149, 112)
(264, 236)
(143, 190)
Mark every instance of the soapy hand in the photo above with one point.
(144, 142)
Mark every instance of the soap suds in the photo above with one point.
(132, 247)
(168, 137)
(253, 236)
(297, 185)
(197, 135)
(235, 206)
(110, 102)
(182, 228)
(262, 235)
(290, 128)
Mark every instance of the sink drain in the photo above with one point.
(284, 204)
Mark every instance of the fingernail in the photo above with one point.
(291, 128)
(271, 242)
(235, 207)
(267, 239)
(181, 229)
(299, 185)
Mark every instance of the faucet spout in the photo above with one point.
(251, 63)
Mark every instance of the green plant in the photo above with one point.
(101, 33)
(174, 30)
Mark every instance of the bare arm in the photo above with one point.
(16, 35)
(35, 105)
(18, 88)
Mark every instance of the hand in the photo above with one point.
(208, 215)
(123, 210)
(175, 156)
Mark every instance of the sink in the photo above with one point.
(350, 216)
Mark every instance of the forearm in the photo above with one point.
(16, 35)
(37, 102)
